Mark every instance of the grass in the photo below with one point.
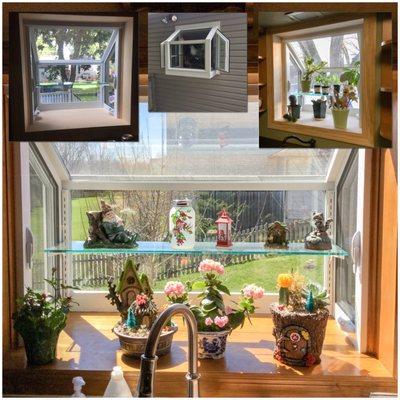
(262, 272)
(86, 91)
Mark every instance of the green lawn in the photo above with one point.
(79, 218)
(86, 91)
(262, 272)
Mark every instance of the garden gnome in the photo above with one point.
(78, 382)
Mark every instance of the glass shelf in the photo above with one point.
(312, 94)
(76, 247)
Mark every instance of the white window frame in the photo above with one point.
(208, 72)
(114, 42)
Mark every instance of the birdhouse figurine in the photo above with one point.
(224, 227)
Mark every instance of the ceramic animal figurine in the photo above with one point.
(319, 239)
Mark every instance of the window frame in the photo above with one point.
(276, 94)
(208, 72)
(126, 125)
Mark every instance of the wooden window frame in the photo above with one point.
(275, 87)
(126, 128)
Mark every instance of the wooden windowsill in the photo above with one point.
(87, 347)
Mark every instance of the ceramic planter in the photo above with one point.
(317, 88)
(336, 88)
(325, 89)
(294, 111)
(41, 350)
(340, 117)
(305, 86)
(299, 335)
(212, 344)
(319, 109)
(134, 346)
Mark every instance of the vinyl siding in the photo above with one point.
(226, 92)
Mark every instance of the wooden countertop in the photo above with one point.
(87, 347)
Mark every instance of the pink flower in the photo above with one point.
(141, 299)
(228, 310)
(211, 266)
(208, 321)
(221, 321)
(253, 292)
(174, 289)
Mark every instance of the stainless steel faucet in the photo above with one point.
(145, 387)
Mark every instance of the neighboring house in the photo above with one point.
(225, 91)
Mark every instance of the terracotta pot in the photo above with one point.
(41, 350)
(340, 118)
(134, 346)
(299, 335)
(212, 344)
(305, 86)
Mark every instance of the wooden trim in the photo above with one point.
(332, 7)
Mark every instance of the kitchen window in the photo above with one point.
(197, 51)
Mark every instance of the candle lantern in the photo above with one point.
(224, 227)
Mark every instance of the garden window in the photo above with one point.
(198, 51)
(77, 72)
(342, 56)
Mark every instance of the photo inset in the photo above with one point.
(197, 62)
(325, 79)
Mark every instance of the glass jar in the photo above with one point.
(182, 224)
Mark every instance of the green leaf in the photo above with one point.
(198, 285)
(223, 288)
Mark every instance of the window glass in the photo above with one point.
(175, 146)
(190, 56)
(110, 80)
(345, 229)
(70, 43)
(193, 34)
(146, 212)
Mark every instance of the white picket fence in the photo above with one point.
(60, 97)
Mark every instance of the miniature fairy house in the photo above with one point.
(319, 239)
(276, 235)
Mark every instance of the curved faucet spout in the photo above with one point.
(145, 387)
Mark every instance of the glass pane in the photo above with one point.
(193, 34)
(250, 210)
(38, 229)
(222, 65)
(68, 84)
(346, 226)
(191, 56)
(178, 145)
(110, 80)
(71, 43)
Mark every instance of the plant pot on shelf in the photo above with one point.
(212, 344)
(305, 85)
(299, 335)
(325, 89)
(336, 88)
(340, 117)
(134, 347)
(294, 111)
(319, 109)
(317, 88)
(41, 349)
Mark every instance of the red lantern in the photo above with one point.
(224, 226)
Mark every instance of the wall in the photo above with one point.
(226, 92)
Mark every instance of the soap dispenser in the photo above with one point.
(117, 387)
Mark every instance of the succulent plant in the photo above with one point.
(319, 296)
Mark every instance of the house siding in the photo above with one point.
(226, 92)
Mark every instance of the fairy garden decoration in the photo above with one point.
(293, 113)
(319, 239)
(300, 320)
(133, 297)
(276, 235)
(215, 320)
(107, 230)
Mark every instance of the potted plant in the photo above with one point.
(335, 82)
(319, 108)
(39, 319)
(310, 68)
(299, 320)
(133, 298)
(324, 80)
(351, 75)
(340, 105)
(215, 321)
(293, 109)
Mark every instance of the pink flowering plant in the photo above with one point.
(211, 314)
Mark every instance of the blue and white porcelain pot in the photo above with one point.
(212, 344)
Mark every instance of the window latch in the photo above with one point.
(29, 247)
(356, 251)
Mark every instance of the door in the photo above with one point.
(350, 299)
